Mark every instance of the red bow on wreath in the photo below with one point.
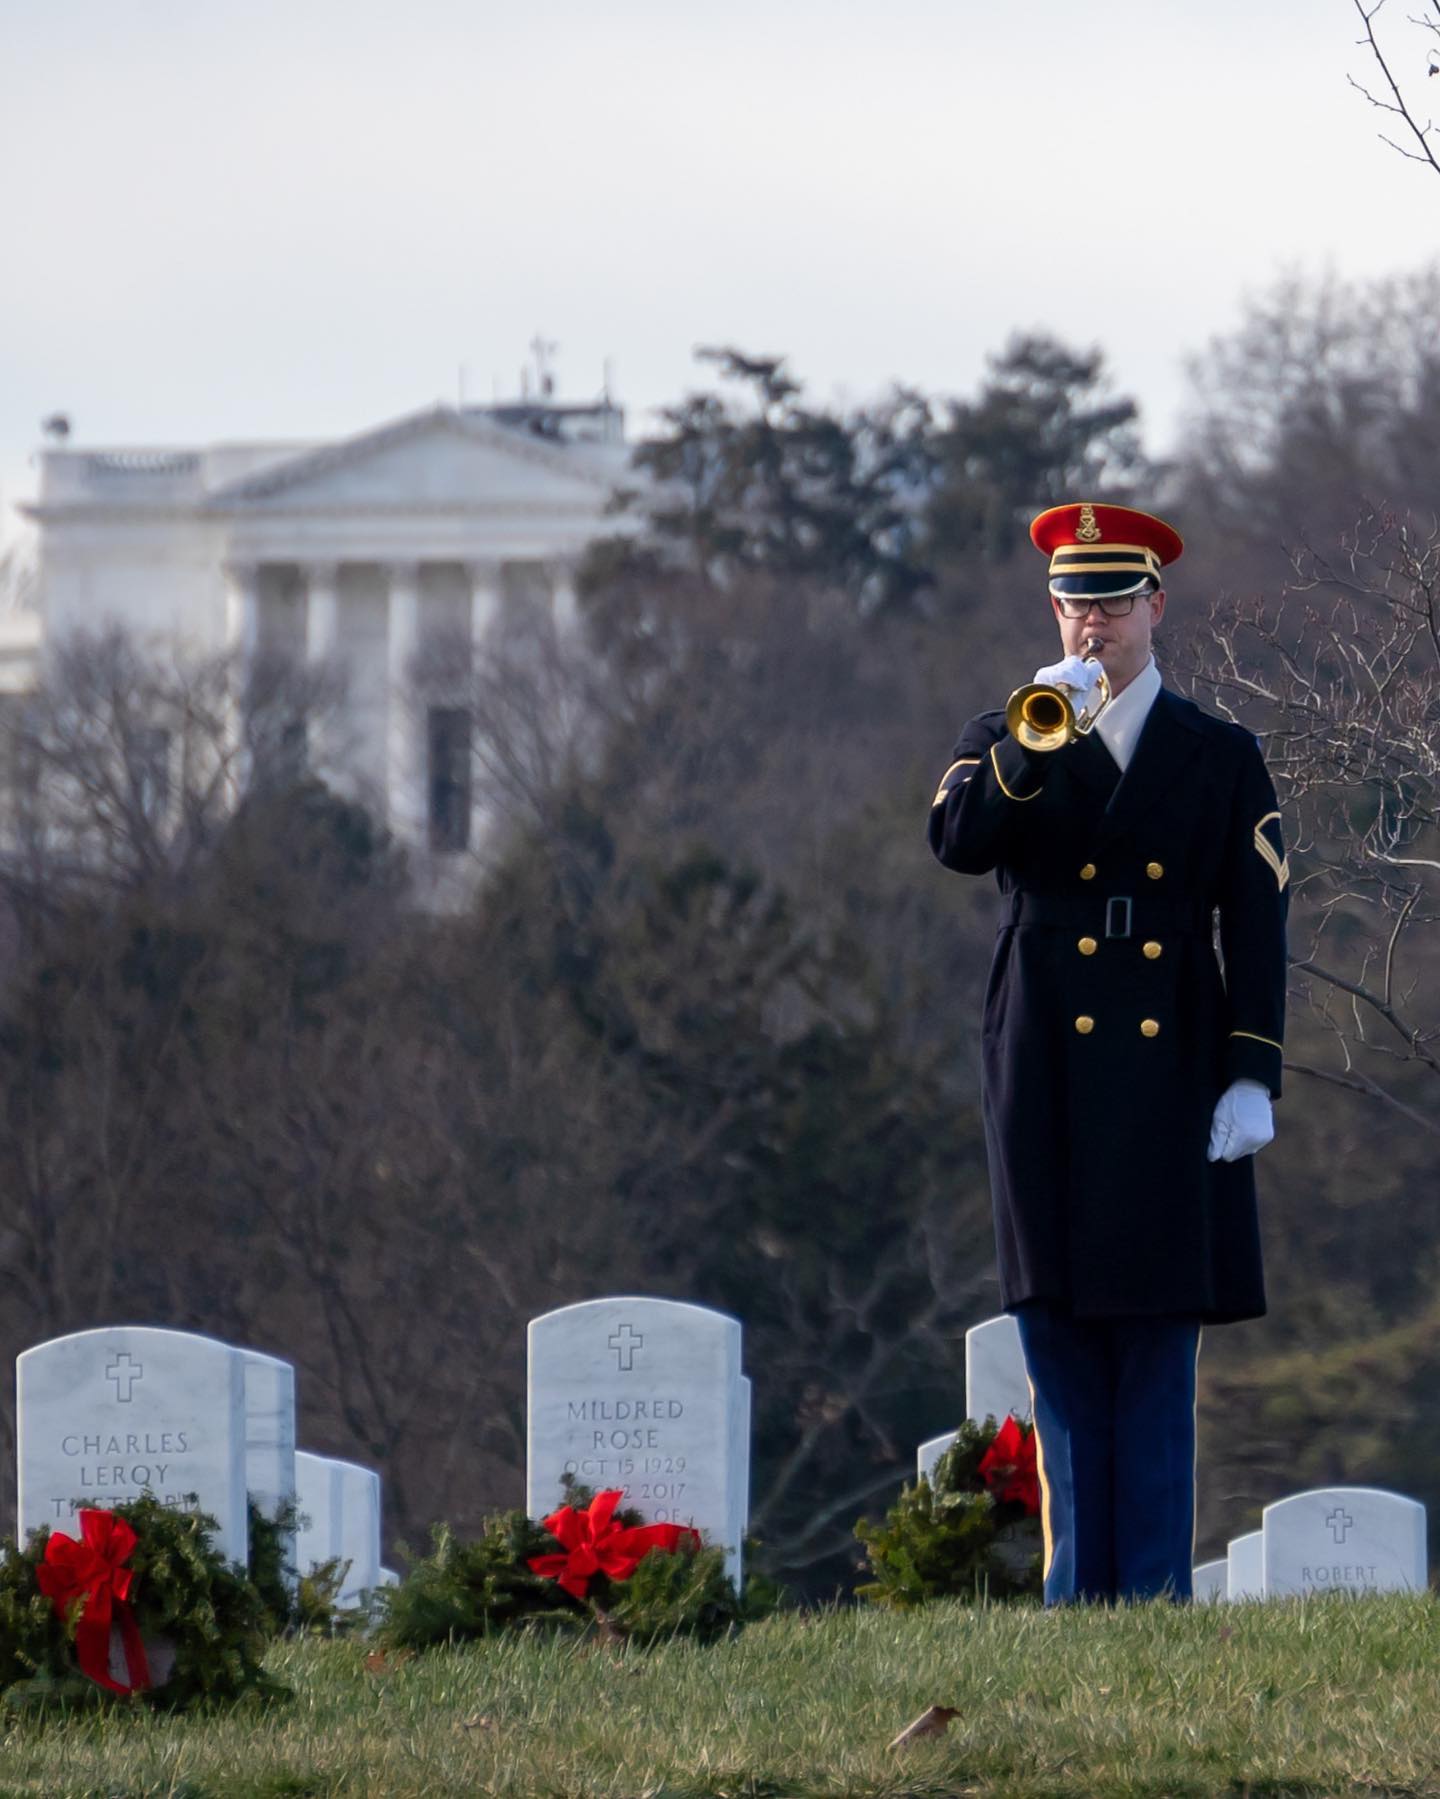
(1008, 1466)
(595, 1544)
(91, 1573)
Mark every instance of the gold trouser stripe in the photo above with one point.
(1195, 1450)
(1255, 1037)
(942, 790)
(1021, 797)
(1045, 1530)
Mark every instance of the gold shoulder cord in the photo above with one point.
(1020, 798)
(942, 789)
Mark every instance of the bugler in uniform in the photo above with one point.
(1119, 1056)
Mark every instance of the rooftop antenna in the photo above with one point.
(542, 349)
(607, 391)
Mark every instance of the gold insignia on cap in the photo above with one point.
(1087, 531)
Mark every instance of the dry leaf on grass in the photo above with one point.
(381, 1661)
(932, 1722)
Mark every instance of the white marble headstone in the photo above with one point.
(1211, 1580)
(339, 1504)
(1357, 1538)
(1245, 1567)
(645, 1395)
(996, 1383)
(106, 1415)
(270, 1439)
(269, 1431)
(930, 1452)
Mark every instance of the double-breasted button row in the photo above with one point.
(1087, 946)
(1155, 870)
(1149, 1027)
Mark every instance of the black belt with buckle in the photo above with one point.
(1119, 916)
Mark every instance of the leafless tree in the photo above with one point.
(1341, 679)
(128, 760)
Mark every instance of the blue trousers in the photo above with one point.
(1114, 1406)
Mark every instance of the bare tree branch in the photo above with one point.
(1399, 105)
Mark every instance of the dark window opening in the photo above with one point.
(449, 778)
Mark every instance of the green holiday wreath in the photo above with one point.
(137, 1607)
(589, 1565)
(971, 1529)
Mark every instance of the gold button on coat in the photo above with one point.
(1088, 946)
(1152, 949)
(1149, 1028)
(1084, 1024)
(1154, 870)
(1087, 873)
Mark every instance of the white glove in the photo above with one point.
(1243, 1122)
(1074, 672)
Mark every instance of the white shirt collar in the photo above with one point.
(1121, 722)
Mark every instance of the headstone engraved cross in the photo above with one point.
(106, 1415)
(124, 1371)
(1356, 1539)
(645, 1395)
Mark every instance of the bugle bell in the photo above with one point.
(1045, 717)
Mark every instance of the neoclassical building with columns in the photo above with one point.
(363, 552)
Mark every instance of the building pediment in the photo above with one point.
(432, 460)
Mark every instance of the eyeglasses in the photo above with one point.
(1077, 605)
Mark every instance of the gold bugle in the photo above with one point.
(1045, 717)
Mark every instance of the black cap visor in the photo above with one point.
(1097, 586)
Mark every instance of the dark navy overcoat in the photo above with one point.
(1139, 968)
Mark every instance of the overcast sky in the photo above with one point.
(297, 218)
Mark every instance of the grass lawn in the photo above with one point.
(1330, 1696)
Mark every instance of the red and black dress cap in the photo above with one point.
(1103, 552)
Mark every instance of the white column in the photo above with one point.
(322, 637)
(322, 610)
(242, 608)
(405, 770)
(485, 599)
(565, 602)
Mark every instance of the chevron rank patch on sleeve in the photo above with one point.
(1270, 847)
